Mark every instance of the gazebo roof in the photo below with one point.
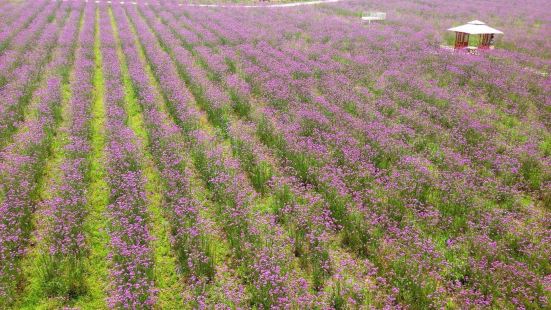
(475, 27)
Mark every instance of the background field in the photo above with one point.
(169, 156)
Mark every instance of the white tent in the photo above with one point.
(475, 27)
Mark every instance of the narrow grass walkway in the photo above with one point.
(166, 278)
(98, 196)
(216, 237)
(33, 296)
(201, 193)
(35, 260)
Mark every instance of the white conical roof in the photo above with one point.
(475, 27)
(476, 22)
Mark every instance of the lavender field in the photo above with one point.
(163, 155)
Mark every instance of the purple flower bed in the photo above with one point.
(22, 163)
(130, 254)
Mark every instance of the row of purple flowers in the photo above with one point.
(22, 160)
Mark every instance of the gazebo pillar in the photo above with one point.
(461, 40)
(485, 41)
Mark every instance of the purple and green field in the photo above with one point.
(163, 155)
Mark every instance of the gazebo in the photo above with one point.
(475, 27)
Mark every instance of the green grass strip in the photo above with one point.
(219, 244)
(166, 279)
(98, 196)
(34, 295)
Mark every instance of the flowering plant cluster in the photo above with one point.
(34, 72)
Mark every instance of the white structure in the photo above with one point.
(369, 16)
(474, 27)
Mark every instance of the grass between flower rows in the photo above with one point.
(166, 278)
(98, 197)
(220, 247)
(36, 260)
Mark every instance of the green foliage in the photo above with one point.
(268, 136)
(546, 201)
(303, 164)
(63, 276)
(532, 171)
(283, 196)
(545, 146)
(3, 45)
(360, 237)
(411, 291)
(297, 75)
(3, 80)
(337, 299)
(202, 165)
(232, 67)
(260, 175)
(319, 274)
(383, 161)
(240, 105)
